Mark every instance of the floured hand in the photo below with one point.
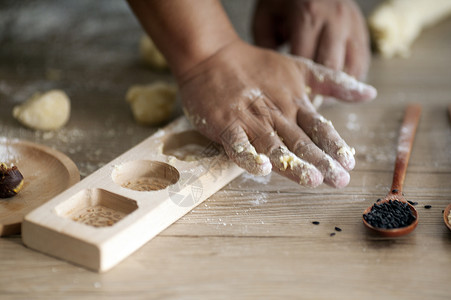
(255, 103)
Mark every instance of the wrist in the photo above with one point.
(196, 50)
(185, 32)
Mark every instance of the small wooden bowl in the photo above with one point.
(445, 216)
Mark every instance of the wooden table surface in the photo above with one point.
(255, 237)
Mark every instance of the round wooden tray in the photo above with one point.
(46, 172)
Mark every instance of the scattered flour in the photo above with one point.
(7, 154)
(258, 179)
(259, 199)
(352, 122)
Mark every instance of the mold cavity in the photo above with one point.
(190, 146)
(96, 207)
(145, 175)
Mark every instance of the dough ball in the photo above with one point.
(47, 111)
(395, 24)
(150, 54)
(152, 104)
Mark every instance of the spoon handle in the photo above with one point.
(405, 141)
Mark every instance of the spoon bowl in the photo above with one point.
(445, 216)
(405, 142)
(448, 208)
(394, 232)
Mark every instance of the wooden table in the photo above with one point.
(255, 237)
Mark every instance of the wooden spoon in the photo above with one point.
(445, 216)
(448, 208)
(405, 141)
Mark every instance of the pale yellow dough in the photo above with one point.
(150, 53)
(152, 104)
(395, 24)
(47, 111)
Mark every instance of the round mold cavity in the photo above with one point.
(190, 146)
(145, 175)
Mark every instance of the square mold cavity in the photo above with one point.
(96, 207)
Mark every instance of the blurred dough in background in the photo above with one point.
(395, 24)
(150, 54)
(47, 111)
(152, 104)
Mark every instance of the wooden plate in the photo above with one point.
(46, 172)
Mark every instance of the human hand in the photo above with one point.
(330, 32)
(255, 103)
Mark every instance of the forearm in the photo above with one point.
(186, 32)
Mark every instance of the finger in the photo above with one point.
(332, 83)
(284, 162)
(287, 164)
(358, 53)
(302, 146)
(357, 59)
(304, 38)
(237, 146)
(331, 48)
(323, 134)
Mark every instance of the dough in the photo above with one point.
(150, 54)
(395, 24)
(47, 111)
(152, 104)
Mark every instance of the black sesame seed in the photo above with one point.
(388, 215)
(427, 206)
(315, 223)
(378, 200)
(337, 229)
(395, 191)
(332, 234)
